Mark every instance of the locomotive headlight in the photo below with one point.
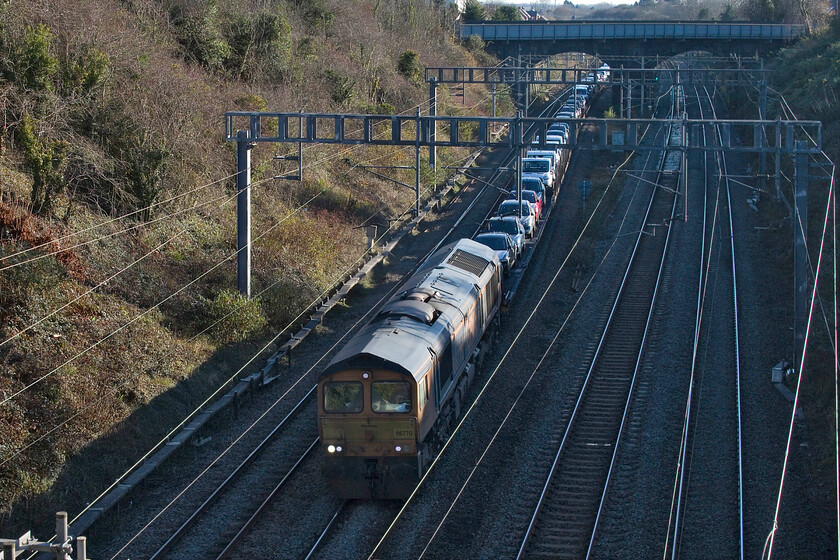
(331, 448)
(338, 448)
(398, 448)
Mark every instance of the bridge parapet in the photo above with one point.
(567, 30)
(632, 37)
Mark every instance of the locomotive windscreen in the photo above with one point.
(343, 396)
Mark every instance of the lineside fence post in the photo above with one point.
(81, 548)
(684, 149)
(417, 165)
(61, 534)
(778, 158)
(800, 250)
(518, 140)
(762, 114)
(432, 127)
(243, 213)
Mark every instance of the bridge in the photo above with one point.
(637, 38)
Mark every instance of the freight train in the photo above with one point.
(393, 393)
(389, 399)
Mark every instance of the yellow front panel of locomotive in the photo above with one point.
(371, 436)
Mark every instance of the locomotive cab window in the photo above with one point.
(423, 391)
(345, 396)
(390, 396)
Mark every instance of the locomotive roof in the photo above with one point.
(422, 314)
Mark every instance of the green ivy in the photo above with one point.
(341, 87)
(46, 160)
(34, 66)
(409, 65)
(87, 72)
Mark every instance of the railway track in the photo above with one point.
(219, 531)
(534, 395)
(711, 444)
(323, 536)
(270, 461)
(565, 519)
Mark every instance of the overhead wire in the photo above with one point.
(62, 423)
(253, 424)
(801, 374)
(254, 357)
(536, 368)
(89, 291)
(43, 377)
(244, 433)
(381, 236)
(56, 241)
(259, 352)
(152, 308)
(227, 198)
(788, 112)
(14, 394)
(680, 474)
(105, 338)
(96, 287)
(139, 225)
(836, 372)
(108, 394)
(116, 219)
(492, 375)
(139, 211)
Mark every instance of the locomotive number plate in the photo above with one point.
(404, 434)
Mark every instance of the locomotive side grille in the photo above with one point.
(469, 262)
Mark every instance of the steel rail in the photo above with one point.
(737, 341)
(252, 520)
(410, 498)
(255, 452)
(230, 478)
(264, 505)
(578, 405)
(680, 476)
(326, 530)
(635, 372)
(683, 465)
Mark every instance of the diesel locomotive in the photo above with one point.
(389, 398)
